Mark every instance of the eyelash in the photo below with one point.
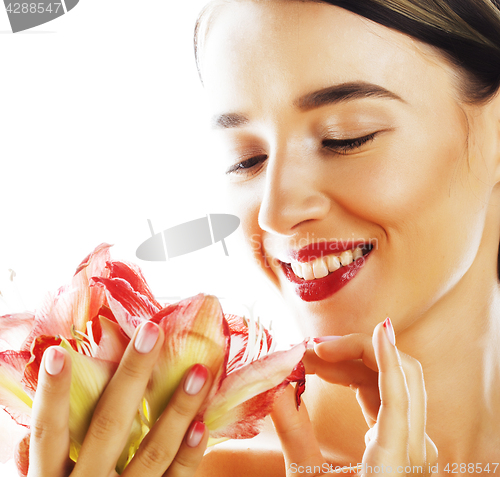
(339, 146)
(343, 146)
(243, 166)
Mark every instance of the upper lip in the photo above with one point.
(322, 249)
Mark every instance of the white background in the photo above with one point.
(103, 126)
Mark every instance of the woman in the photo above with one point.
(342, 128)
(364, 165)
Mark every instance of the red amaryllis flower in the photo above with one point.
(95, 317)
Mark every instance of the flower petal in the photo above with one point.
(132, 274)
(89, 377)
(229, 414)
(240, 352)
(75, 304)
(14, 330)
(21, 456)
(112, 343)
(11, 434)
(195, 332)
(89, 299)
(129, 307)
(12, 394)
(38, 347)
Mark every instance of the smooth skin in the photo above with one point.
(164, 452)
(396, 417)
(424, 188)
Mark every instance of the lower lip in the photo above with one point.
(321, 288)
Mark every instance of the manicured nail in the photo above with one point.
(389, 330)
(54, 361)
(146, 338)
(322, 339)
(195, 380)
(195, 434)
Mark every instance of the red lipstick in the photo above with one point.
(321, 288)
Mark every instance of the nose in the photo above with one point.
(292, 192)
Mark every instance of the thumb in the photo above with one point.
(296, 434)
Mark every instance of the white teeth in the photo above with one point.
(307, 271)
(297, 269)
(357, 253)
(333, 263)
(320, 269)
(346, 257)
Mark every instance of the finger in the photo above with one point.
(191, 452)
(163, 445)
(49, 444)
(353, 374)
(416, 387)
(343, 348)
(431, 452)
(295, 432)
(117, 408)
(345, 373)
(393, 417)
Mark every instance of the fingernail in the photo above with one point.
(54, 361)
(322, 339)
(195, 434)
(389, 330)
(195, 380)
(146, 338)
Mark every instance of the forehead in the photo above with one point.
(261, 51)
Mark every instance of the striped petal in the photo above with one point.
(14, 329)
(89, 377)
(13, 397)
(195, 332)
(132, 274)
(21, 455)
(247, 395)
(10, 436)
(74, 304)
(112, 343)
(129, 307)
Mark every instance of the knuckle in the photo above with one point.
(186, 460)
(103, 426)
(411, 364)
(399, 401)
(183, 408)
(154, 455)
(131, 369)
(40, 429)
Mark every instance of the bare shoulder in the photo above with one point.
(257, 457)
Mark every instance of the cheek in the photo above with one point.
(245, 200)
(415, 175)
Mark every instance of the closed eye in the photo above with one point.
(344, 146)
(247, 165)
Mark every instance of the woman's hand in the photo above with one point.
(390, 390)
(174, 446)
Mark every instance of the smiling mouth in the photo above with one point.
(323, 266)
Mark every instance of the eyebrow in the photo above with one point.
(331, 95)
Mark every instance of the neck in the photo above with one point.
(457, 344)
(456, 341)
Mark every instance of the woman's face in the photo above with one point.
(341, 131)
